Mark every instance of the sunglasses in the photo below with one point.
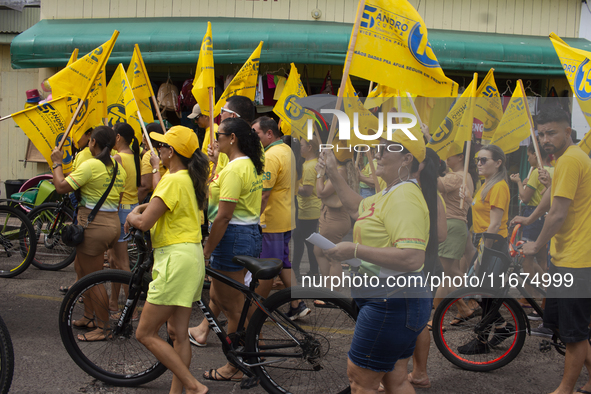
(481, 160)
(165, 146)
(230, 111)
(217, 135)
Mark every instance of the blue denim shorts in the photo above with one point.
(387, 329)
(531, 232)
(237, 240)
(122, 217)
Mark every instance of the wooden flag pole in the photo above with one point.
(357, 159)
(139, 115)
(74, 116)
(531, 127)
(414, 108)
(370, 87)
(155, 102)
(373, 171)
(211, 136)
(466, 164)
(5, 117)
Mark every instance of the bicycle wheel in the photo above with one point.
(494, 346)
(118, 360)
(321, 366)
(52, 254)
(6, 359)
(17, 242)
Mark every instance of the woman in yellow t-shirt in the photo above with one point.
(308, 209)
(395, 231)
(92, 178)
(150, 172)
(179, 269)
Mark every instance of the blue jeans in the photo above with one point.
(237, 240)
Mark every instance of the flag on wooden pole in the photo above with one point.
(515, 125)
(488, 108)
(204, 73)
(140, 84)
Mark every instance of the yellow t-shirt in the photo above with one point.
(238, 183)
(180, 223)
(570, 246)
(81, 157)
(309, 207)
(498, 196)
(130, 191)
(146, 167)
(538, 187)
(279, 179)
(397, 218)
(93, 179)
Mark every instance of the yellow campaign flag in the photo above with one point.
(94, 109)
(77, 79)
(489, 108)
(245, 81)
(122, 106)
(291, 113)
(45, 125)
(204, 73)
(577, 68)
(445, 141)
(377, 96)
(392, 48)
(140, 84)
(73, 57)
(585, 143)
(515, 125)
(366, 121)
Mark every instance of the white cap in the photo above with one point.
(196, 112)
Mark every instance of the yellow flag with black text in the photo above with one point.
(204, 73)
(515, 125)
(290, 112)
(73, 57)
(488, 108)
(245, 81)
(140, 85)
(392, 48)
(45, 125)
(122, 106)
(94, 109)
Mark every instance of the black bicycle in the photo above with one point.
(6, 359)
(17, 241)
(303, 356)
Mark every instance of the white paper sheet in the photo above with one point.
(323, 243)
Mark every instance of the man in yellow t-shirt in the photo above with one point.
(568, 223)
(277, 205)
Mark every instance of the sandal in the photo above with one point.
(89, 324)
(214, 375)
(459, 320)
(64, 289)
(100, 336)
(115, 315)
(322, 304)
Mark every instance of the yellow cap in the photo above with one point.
(181, 138)
(344, 152)
(417, 148)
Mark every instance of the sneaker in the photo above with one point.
(301, 311)
(542, 331)
(474, 347)
(534, 316)
(502, 333)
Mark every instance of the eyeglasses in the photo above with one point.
(217, 135)
(230, 111)
(481, 160)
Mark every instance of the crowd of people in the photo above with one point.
(255, 186)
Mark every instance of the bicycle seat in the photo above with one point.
(260, 268)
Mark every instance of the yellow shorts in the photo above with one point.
(177, 276)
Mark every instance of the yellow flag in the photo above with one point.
(291, 113)
(204, 74)
(378, 95)
(585, 143)
(94, 109)
(45, 125)
(577, 67)
(456, 128)
(245, 81)
(392, 48)
(515, 125)
(140, 84)
(489, 108)
(122, 106)
(73, 57)
(77, 79)
(357, 113)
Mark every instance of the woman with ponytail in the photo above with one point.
(172, 216)
(129, 159)
(395, 231)
(92, 178)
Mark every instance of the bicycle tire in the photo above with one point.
(52, 254)
(448, 338)
(121, 360)
(324, 369)
(17, 242)
(6, 359)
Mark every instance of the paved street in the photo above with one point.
(30, 305)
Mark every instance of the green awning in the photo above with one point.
(49, 43)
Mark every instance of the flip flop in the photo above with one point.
(457, 321)
(194, 341)
(322, 304)
(218, 377)
(580, 390)
(64, 289)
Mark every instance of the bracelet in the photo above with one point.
(355, 253)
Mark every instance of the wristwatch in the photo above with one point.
(154, 170)
(56, 165)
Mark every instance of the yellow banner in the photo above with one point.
(140, 84)
(45, 125)
(245, 81)
(488, 108)
(204, 74)
(585, 143)
(378, 95)
(456, 128)
(94, 109)
(73, 57)
(392, 48)
(577, 67)
(122, 106)
(515, 125)
(357, 112)
(291, 113)
(77, 79)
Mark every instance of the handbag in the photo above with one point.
(73, 234)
